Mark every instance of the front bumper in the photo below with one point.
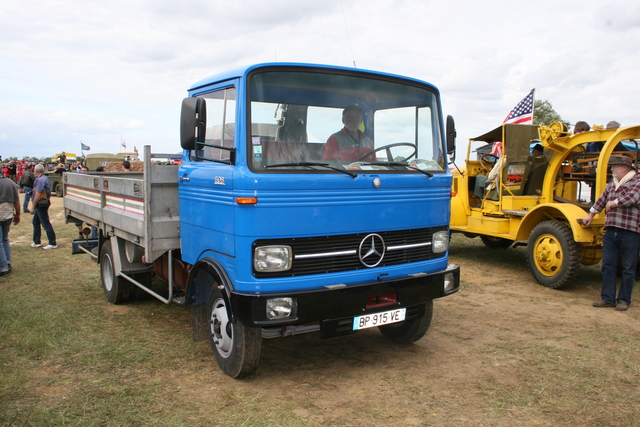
(334, 308)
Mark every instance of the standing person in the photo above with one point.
(13, 170)
(40, 209)
(9, 213)
(26, 183)
(63, 158)
(621, 198)
(21, 168)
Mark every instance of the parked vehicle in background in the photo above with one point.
(540, 201)
(92, 161)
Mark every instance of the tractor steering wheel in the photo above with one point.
(488, 161)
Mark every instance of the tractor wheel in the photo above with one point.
(496, 242)
(552, 254)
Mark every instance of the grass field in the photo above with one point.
(504, 351)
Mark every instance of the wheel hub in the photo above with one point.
(221, 330)
(548, 255)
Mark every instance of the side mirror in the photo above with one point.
(193, 122)
(451, 135)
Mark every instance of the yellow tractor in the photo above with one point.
(519, 199)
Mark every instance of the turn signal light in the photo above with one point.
(246, 200)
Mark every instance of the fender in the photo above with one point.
(571, 213)
(198, 293)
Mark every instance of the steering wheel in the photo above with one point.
(388, 147)
(489, 159)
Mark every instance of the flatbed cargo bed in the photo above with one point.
(139, 207)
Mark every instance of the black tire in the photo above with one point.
(58, 190)
(118, 290)
(552, 254)
(410, 330)
(236, 347)
(496, 242)
(145, 279)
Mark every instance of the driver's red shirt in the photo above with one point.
(342, 146)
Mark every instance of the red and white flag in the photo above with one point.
(123, 144)
(522, 113)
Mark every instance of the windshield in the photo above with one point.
(311, 122)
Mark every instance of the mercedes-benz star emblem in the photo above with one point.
(371, 250)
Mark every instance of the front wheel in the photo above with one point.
(58, 190)
(236, 347)
(553, 255)
(410, 330)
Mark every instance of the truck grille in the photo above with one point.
(331, 254)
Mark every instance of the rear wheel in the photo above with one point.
(117, 289)
(58, 190)
(553, 255)
(496, 242)
(236, 347)
(410, 330)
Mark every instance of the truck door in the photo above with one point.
(206, 179)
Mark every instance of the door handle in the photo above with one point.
(184, 178)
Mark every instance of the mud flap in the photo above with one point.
(199, 322)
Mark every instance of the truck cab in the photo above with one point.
(294, 240)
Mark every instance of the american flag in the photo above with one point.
(523, 112)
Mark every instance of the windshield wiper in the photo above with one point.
(311, 164)
(405, 164)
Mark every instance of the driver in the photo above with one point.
(350, 143)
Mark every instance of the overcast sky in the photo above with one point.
(96, 72)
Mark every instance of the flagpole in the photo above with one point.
(533, 104)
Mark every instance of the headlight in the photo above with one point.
(440, 242)
(272, 258)
(282, 308)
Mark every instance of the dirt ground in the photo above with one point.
(503, 351)
(492, 348)
(498, 354)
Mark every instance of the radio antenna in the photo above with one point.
(348, 37)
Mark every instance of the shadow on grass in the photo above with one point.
(470, 251)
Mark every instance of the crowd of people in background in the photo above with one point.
(29, 178)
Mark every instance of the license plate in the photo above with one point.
(378, 319)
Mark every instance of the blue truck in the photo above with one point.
(283, 218)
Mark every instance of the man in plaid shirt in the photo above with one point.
(621, 198)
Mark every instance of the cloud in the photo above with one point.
(97, 70)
